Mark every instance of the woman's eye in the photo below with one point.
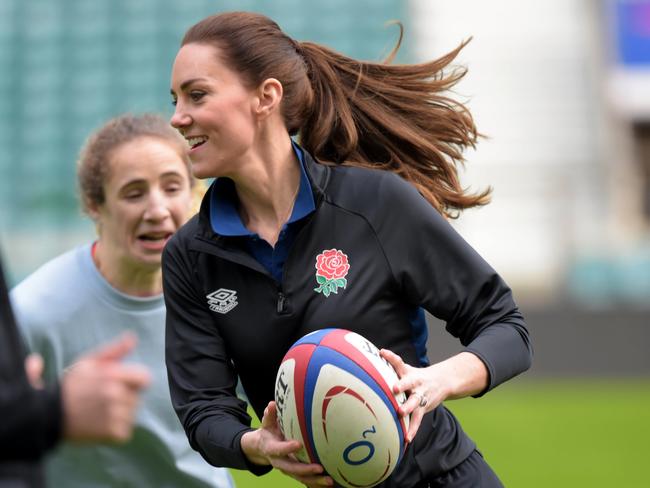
(174, 102)
(133, 195)
(196, 96)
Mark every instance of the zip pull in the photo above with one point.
(281, 301)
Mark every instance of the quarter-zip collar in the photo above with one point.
(224, 216)
(209, 241)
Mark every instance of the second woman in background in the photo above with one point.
(136, 186)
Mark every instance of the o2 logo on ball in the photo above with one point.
(360, 451)
(355, 435)
(353, 449)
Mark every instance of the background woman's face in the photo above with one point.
(147, 198)
(214, 111)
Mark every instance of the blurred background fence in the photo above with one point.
(561, 89)
(68, 65)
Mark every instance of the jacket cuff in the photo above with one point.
(504, 351)
(256, 469)
(224, 449)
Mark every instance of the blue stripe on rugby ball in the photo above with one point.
(324, 355)
(313, 337)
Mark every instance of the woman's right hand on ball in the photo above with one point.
(267, 446)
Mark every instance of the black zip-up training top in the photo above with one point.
(228, 317)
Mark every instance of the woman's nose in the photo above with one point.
(156, 208)
(180, 119)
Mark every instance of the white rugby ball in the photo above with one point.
(334, 394)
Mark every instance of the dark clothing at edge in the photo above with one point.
(30, 419)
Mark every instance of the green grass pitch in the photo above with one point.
(562, 433)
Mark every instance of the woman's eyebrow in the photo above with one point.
(186, 83)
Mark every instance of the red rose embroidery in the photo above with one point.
(332, 264)
(332, 267)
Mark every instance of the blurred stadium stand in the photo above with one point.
(561, 89)
(66, 66)
(568, 160)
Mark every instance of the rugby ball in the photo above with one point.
(333, 393)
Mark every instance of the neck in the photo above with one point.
(139, 281)
(268, 190)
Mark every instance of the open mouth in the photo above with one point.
(195, 142)
(155, 237)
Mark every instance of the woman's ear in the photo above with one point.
(269, 96)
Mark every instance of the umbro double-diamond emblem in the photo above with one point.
(222, 300)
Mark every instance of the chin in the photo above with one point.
(200, 172)
(206, 167)
(152, 262)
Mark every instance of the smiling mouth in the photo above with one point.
(195, 142)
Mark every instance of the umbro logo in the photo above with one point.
(222, 300)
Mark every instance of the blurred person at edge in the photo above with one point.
(94, 401)
(345, 229)
(136, 185)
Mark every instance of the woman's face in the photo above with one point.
(215, 111)
(147, 198)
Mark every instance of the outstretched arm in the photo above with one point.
(100, 394)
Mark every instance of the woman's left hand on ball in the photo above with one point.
(425, 390)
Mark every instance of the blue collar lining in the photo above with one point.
(224, 217)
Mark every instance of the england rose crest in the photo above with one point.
(331, 269)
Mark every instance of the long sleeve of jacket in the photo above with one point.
(201, 377)
(435, 268)
(30, 419)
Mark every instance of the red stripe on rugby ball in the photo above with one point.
(336, 340)
(338, 390)
(301, 354)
